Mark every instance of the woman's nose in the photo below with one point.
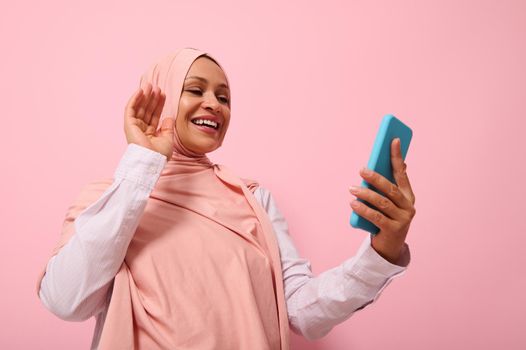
(210, 102)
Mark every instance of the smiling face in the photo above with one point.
(204, 107)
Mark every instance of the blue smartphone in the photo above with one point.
(380, 161)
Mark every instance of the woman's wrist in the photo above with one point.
(388, 249)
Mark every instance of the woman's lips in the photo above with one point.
(205, 129)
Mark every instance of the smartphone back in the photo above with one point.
(380, 161)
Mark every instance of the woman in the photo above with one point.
(179, 253)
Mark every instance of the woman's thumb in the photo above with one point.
(167, 127)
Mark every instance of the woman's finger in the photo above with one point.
(374, 216)
(157, 112)
(383, 204)
(399, 170)
(152, 104)
(131, 106)
(141, 108)
(387, 187)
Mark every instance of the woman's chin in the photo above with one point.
(204, 147)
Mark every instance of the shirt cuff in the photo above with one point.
(140, 165)
(371, 267)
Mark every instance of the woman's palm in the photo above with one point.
(141, 118)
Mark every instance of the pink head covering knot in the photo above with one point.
(203, 269)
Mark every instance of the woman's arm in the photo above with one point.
(100, 224)
(316, 304)
(80, 275)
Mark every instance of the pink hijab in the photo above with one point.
(203, 269)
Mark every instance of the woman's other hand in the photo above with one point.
(141, 118)
(395, 211)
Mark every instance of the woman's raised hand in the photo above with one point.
(141, 118)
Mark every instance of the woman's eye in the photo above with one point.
(195, 91)
(198, 92)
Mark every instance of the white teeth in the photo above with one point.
(205, 121)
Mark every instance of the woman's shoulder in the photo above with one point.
(251, 184)
(264, 197)
(88, 194)
(262, 193)
(93, 190)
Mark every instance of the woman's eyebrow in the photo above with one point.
(204, 80)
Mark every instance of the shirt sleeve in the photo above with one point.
(79, 276)
(316, 304)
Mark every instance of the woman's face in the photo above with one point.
(204, 107)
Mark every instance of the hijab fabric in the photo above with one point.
(203, 269)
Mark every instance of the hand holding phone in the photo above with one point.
(380, 162)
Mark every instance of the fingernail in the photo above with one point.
(355, 204)
(366, 172)
(354, 189)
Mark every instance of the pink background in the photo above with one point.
(310, 84)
